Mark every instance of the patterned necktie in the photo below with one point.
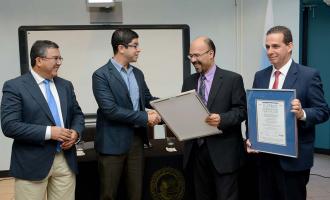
(53, 108)
(201, 93)
(201, 89)
(277, 75)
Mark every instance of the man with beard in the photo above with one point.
(215, 159)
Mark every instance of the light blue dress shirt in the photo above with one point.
(131, 83)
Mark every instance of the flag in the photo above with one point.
(269, 23)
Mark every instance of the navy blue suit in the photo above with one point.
(24, 117)
(116, 118)
(308, 85)
(283, 177)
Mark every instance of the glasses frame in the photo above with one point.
(135, 46)
(191, 56)
(60, 58)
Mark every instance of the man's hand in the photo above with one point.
(248, 147)
(153, 118)
(68, 144)
(213, 119)
(297, 109)
(60, 134)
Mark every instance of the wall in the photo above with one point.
(235, 26)
(318, 42)
(252, 31)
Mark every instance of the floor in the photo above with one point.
(318, 186)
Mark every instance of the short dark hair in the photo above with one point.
(39, 49)
(210, 44)
(122, 36)
(287, 39)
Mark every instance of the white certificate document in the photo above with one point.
(271, 122)
(185, 115)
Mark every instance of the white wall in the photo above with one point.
(252, 27)
(236, 30)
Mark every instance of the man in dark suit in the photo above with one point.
(216, 159)
(40, 112)
(283, 177)
(122, 96)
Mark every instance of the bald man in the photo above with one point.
(215, 159)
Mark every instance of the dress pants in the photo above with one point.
(58, 185)
(278, 184)
(209, 184)
(129, 167)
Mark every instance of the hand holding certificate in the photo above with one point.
(185, 115)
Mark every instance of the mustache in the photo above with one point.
(196, 62)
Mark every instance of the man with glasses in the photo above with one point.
(122, 96)
(40, 112)
(215, 159)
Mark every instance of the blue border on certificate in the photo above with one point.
(286, 95)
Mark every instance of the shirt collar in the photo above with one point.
(39, 79)
(120, 67)
(210, 74)
(284, 70)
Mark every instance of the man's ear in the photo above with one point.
(121, 48)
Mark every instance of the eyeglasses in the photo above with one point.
(191, 56)
(135, 46)
(56, 58)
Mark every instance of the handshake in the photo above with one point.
(153, 118)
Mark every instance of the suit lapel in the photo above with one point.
(215, 87)
(33, 88)
(139, 81)
(113, 71)
(264, 82)
(291, 77)
(63, 98)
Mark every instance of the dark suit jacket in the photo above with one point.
(116, 118)
(24, 117)
(227, 98)
(308, 85)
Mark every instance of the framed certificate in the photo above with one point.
(185, 115)
(272, 127)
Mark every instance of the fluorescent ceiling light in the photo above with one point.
(100, 3)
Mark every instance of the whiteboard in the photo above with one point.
(86, 48)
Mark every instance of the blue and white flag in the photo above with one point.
(269, 23)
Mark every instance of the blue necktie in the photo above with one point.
(53, 108)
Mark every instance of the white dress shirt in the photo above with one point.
(53, 89)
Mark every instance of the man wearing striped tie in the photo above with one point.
(40, 112)
(215, 159)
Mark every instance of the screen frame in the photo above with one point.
(24, 51)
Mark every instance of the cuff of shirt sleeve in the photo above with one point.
(48, 133)
(304, 117)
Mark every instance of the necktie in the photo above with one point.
(53, 108)
(201, 89)
(277, 75)
(201, 93)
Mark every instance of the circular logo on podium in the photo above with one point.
(167, 184)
